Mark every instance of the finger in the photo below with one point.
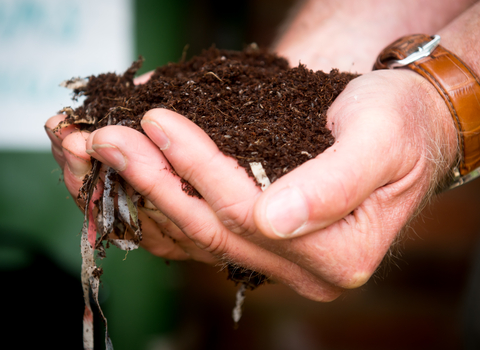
(77, 161)
(142, 79)
(157, 243)
(57, 137)
(323, 190)
(60, 133)
(189, 150)
(348, 252)
(58, 156)
(78, 165)
(170, 230)
(140, 162)
(197, 159)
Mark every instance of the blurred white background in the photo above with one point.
(42, 43)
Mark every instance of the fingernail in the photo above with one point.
(56, 142)
(57, 150)
(156, 133)
(91, 151)
(78, 167)
(358, 280)
(51, 135)
(111, 155)
(148, 204)
(287, 212)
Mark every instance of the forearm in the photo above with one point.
(462, 37)
(348, 34)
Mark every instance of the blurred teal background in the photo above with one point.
(153, 305)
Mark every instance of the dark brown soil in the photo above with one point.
(251, 103)
(253, 106)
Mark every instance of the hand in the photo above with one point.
(352, 200)
(161, 237)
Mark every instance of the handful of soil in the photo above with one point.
(255, 108)
(251, 103)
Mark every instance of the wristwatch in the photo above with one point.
(457, 84)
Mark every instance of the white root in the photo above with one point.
(261, 176)
(74, 83)
(307, 154)
(124, 244)
(128, 212)
(91, 273)
(108, 202)
(123, 205)
(237, 310)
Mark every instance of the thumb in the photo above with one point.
(369, 152)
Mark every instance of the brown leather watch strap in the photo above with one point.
(456, 83)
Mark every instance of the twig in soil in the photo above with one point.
(216, 76)
(260, 175)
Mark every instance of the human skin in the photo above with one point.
(323, 227)
(349, 34)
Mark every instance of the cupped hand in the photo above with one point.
(321, 228)
(160, 236)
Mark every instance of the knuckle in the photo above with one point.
(156, 215)
(151, 189)
(237, 219)
(342, 189)
(168, 252)
(146, 190)
(347, 263)
(346, 192)
(315, 288)
(207, 238)
(355, 279)
(355, 273)
(194, 170)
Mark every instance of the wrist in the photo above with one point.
(454, 81)
(435, 130)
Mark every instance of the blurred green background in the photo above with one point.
(153, 305)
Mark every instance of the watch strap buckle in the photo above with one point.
(423, 51)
